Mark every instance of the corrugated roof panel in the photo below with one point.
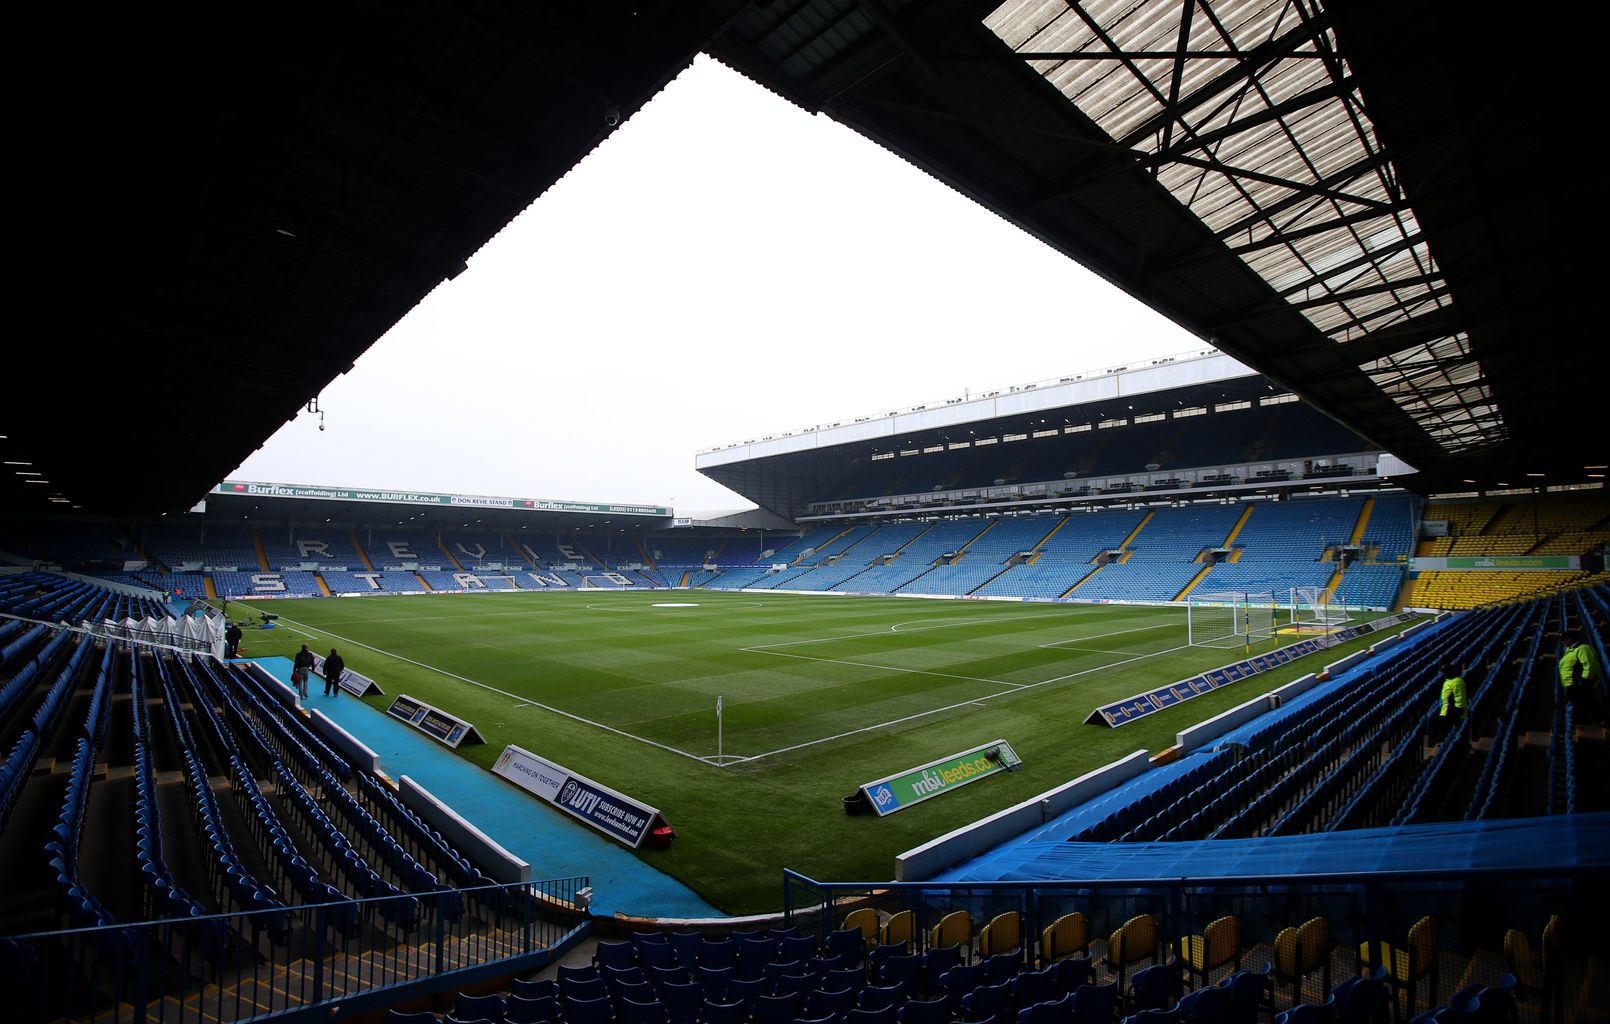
(1120, 73)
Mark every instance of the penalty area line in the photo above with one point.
(515, 696)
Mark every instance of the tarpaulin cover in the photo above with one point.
(1526, 843)
(198, 633)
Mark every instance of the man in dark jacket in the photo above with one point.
(232, 637)
(300, 668)
(333, 667)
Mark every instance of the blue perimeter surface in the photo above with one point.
(1017, 858)
(555, 845)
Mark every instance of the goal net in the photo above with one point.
(610, 581)
(1230, 618)
(1311, 607)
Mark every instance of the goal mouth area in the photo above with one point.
(1232, 618)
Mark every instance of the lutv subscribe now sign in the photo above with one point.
(609, 811)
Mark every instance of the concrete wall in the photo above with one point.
(1346, 663)
(345, 744)
(1296, 688)
(499, 864)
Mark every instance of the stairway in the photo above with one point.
(262, 553)
(1194, 581)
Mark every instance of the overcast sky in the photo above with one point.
(724, 266)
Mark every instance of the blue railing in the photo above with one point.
(235, 967)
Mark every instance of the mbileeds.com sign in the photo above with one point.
(930, 780)
(612, 813)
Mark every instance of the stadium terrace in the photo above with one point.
(1276, 668)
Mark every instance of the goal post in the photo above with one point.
(1312, 606)
(1230, 618)
(1312, 610)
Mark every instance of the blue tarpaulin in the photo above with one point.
(1523, 843)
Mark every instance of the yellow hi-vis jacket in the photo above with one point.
(1580, 663)
(1453, 693)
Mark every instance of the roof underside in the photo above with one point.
(1378, 205)
(786, 483)
(1350, 200)
(249, 196)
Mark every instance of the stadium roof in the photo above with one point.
(233, 202)
(1381, 206)
(1009, 408)
(786, 471)
(307, 503)
(1368, 202)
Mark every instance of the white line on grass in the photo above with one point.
(892, 629)
(893, 668)
(952, 707)
(1116, 632)
(506, 693)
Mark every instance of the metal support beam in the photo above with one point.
(1204, 140)
(1374, 289)
(1253, 63)
(1306, 188)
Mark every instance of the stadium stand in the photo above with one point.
(1066, 555)
(919, 555)
(1478, 588)
(1358, 545)
(324, 547)
(1238, 437)
(684, 551)
(204, 749)
(72, 545)
(390, 548)
(808, 541)
(612, 551)
(475, 549)
(1165, 555)
(234, 585)
(186, 585)
(747, 549)
(549, 552)
(178, 545)
(1553, 524)
(860, 549)
(371, 583)
(54, 598)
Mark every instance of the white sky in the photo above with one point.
(724, 266)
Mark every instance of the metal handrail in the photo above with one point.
(236, 966)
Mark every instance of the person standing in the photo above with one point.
(333, 668)
(1451, 703)
(300, 669)
(232, 637)
(1581, 675)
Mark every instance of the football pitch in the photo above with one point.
(819, 695)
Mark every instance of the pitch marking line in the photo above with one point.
(768, 649)
(1116, 632)
(893, 668)
(947, 622)
(952, 707)
(506, 693)
(892, 629)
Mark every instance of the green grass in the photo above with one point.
(821, 695)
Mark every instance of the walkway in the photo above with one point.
(555, 845)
